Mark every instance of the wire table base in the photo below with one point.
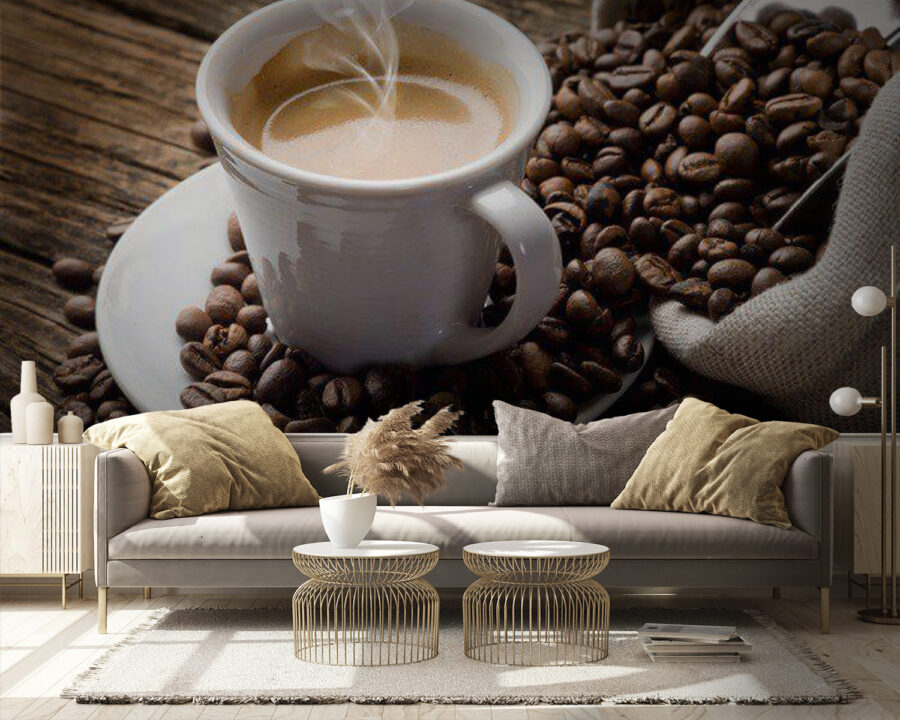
(365, 610)
(536, 610)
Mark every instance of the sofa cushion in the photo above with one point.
(270, 534)
(546, 461)
(711, 461)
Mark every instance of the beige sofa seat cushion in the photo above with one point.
(270, 534)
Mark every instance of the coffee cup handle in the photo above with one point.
(534, 247)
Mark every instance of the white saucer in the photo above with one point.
(162, 264)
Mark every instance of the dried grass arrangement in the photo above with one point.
(389, 457)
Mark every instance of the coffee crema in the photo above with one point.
(319, 105)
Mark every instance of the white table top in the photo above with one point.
(536, 548)
(367, 549)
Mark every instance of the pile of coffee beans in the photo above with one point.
(660, 163)
(87, 385)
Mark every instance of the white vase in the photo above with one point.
(347, 518)
(39, 423)
(70, 428)
(27, 394)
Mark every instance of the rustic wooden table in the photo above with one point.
(97, 102)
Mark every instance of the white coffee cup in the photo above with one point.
(363, 272)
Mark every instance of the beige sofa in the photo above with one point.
(648, 549)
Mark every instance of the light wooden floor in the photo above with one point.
(42, 648)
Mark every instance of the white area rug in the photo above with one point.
(240, 656)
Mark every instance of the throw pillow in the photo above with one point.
(710, 461)
(546, 461)
(217, 457)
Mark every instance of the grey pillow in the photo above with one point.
(545, 461)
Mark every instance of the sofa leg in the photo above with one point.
(101, 610)
(824, 611)
(776, 593)
(146, 593)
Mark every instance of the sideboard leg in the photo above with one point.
(101, 610)
(824, 611)
(62, 580)
(81, 586)
(776, 593)
(146, 593)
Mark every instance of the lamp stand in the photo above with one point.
(887, 614)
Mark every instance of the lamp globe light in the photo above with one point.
(845, 401)
(868, 301)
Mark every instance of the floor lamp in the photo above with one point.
(869, 301)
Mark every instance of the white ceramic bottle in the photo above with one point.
(39, 423)
(69, 429)
(27, 394)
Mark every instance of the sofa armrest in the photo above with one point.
(807, 493)
(121, 499)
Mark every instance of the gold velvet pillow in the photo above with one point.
(710, 461)
(217, 457)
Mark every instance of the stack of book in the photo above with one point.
(693, 643)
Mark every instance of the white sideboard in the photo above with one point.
(46, 511)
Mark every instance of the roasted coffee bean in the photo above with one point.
(699, 167)
(229, 273)
(731, 273)
(559, 406)
(241, 362)
(567, 219)
(662, 202)
(242, 257)
(252, 318)
(192, 323)
(593, 132)
(235, 234)
(721, 303)
(112, 409)
(612, 272)
(713, 249)
(859, 90)
(737, 155)
(250, 290)
(562, 139)
(791, 259)
(738, 97)
(103, 387)
(536, 364)
(552, 333)
(684, 252)
(581, 308)
(601, 377)
(695, 132)
(259, 347)
(201, 138)
(79, 310)
(799, 32)
(692, 292)
(555, 185)
(827, 44)
(310, 425)
(77, 373)
(279, 383)
(657, 120)
(629, 139)
(590, 98)
(85, 344)
(766, 278)
(199, 394)
(223, 303)
(655, 273)
(602, 202)
(811, 81)
(278, 418)
(117, 229)
(852, 61)
(227, 379)
(342, 396)
(792, 108)
(541, 168)
(756, 39)
(73, 274)
(627, 354)
(224, 340)
(610, 161)
(627, 77)
(621, 112)
(198, 360)
(794, 137)
(775, 83)
(566, 102)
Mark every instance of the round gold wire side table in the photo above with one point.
(366, 605)
(535, 603)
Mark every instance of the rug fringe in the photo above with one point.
(846, 690)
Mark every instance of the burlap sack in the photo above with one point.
(795, 343)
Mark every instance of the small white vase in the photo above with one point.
(69, 429)
(27, 394)
(39, 423)
(347, 519)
